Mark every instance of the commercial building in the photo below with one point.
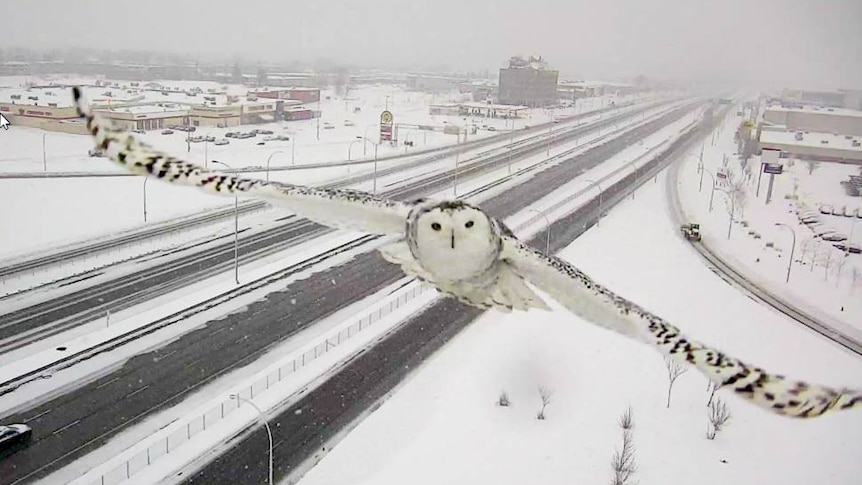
(528, 82)
(824, 147)
(153, 116)
(840, 121)
(301, 94)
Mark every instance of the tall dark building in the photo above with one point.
(528, 82)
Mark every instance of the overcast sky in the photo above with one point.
(796, 43)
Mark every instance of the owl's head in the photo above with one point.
(453, 236)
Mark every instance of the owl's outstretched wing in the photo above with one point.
(341, 209)
(597, 304)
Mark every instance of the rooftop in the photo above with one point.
(811, 140)
(817, 109)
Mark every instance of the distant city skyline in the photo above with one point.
(774, 43)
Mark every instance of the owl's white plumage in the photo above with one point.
(470, 256)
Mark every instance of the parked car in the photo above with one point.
(349, 123)
(261, 143)
(167, 132)
(14, 437)
(854, 248)
(231, 134)
(196, 139)
(328, 126)
(221, 141)
(95, 152)
(491, 128)
(140, 132)
(264, 132)
(210, 138)
(833, 237)
(825, 209)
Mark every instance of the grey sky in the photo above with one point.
(799, 43)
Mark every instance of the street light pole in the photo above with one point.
(235, 231)
(712, 192)
(548, 239)
(349, 147)
(365, 145)
(599, 217)
(265, 423)
(44, 156)
(145, 198)
(792, 249)
(267, 162)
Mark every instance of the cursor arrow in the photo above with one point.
(4, 123)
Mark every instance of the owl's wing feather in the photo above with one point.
(597, 304)
(341, 209)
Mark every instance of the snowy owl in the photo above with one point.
(468, 255)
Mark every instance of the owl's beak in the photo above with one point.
(453, 238)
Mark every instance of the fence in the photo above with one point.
(181, 433)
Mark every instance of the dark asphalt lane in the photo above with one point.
(71, 425)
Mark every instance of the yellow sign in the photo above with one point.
(386, 117)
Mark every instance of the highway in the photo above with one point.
(24, 326)
(71, 425)
(412, 160)
(303, 430)
(736, 278)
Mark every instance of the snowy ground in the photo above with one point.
(218, 388)
(817, 289)
(443, 425)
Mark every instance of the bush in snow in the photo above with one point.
(627, 419)
(674, 370)
(623, 462)
(545, 394)
(503, 400)
(718, 417)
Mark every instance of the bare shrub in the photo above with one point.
(674, 370)
(503, 400)
(545, 394)
(623, 462)
(718, 415)
(627, 419)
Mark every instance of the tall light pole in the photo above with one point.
(548, 152)
(235, 231)
(44, 155)
(712, 192)
(365, 137)
(265, 423)
(732, 211)
(351, 146)
(374, 191)
(267, 162)
(599, 217)
(292, 146)
(145, 198)
(548, 225)
(792, 249)
(206, 148)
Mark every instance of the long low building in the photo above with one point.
(826, 147)
(818, 119)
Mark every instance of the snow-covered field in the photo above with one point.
(443, 425)
(822, 289)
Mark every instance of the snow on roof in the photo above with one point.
(811, 140)
(818, 110)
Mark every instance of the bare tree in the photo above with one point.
(503, 400)
(627, 419)
(711, 387)
(623, 462)
(545, 394)
(718, 417)
(812, 165)
(674, 370)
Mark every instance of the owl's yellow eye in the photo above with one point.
(436, 226)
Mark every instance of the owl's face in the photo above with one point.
(454, 240)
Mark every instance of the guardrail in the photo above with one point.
(172, 437)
